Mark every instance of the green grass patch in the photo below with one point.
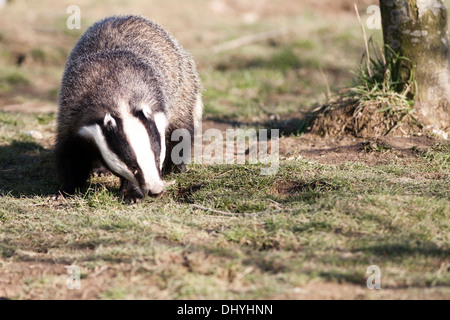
(335, 221)
(11, 78)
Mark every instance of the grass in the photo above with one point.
(383, 85)
(333, 220)
(339, 220)
(12, 78)
(284, 74)
(378, 103)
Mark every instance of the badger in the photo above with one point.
(127, 86)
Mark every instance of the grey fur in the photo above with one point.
(125, 58)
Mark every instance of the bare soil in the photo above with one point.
(345, 148)
(371, 151)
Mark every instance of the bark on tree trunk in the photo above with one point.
(417, 29)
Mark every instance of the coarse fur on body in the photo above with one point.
(126, 87)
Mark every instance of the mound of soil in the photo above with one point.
(346, 116)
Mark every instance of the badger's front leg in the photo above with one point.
(74, 158)
(169, 166)
(130, 192)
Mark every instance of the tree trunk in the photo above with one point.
(417, 29)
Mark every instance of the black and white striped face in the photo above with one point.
(132, 145)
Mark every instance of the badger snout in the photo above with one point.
(158, 188)
(154, 190)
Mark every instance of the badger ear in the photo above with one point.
(147, 112)
(109, 122)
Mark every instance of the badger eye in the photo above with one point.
(109, 121)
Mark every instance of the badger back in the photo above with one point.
(171, 64)
(96, 84)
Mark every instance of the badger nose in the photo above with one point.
(156, 190)
(155, 193)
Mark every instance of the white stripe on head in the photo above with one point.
(94, 132)
(161, 124)
(198, 112)
(139, 141)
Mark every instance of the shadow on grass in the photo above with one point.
(342, 277)
(293, 124)
(26, 169)
(402, 250)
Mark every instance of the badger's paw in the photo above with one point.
(56, 197)
(131, 194)
(101, 172)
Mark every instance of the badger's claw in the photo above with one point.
(56, 197)
(131, 193)
(101, 172)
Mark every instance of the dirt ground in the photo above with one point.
(11, 285)
(337, 150)
(350, 149)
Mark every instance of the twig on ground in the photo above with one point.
(276, 204)
(236, 43)
(326, 83)
(233, 214)
(273, 115)
(369, 69)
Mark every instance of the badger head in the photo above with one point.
(132, 145)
